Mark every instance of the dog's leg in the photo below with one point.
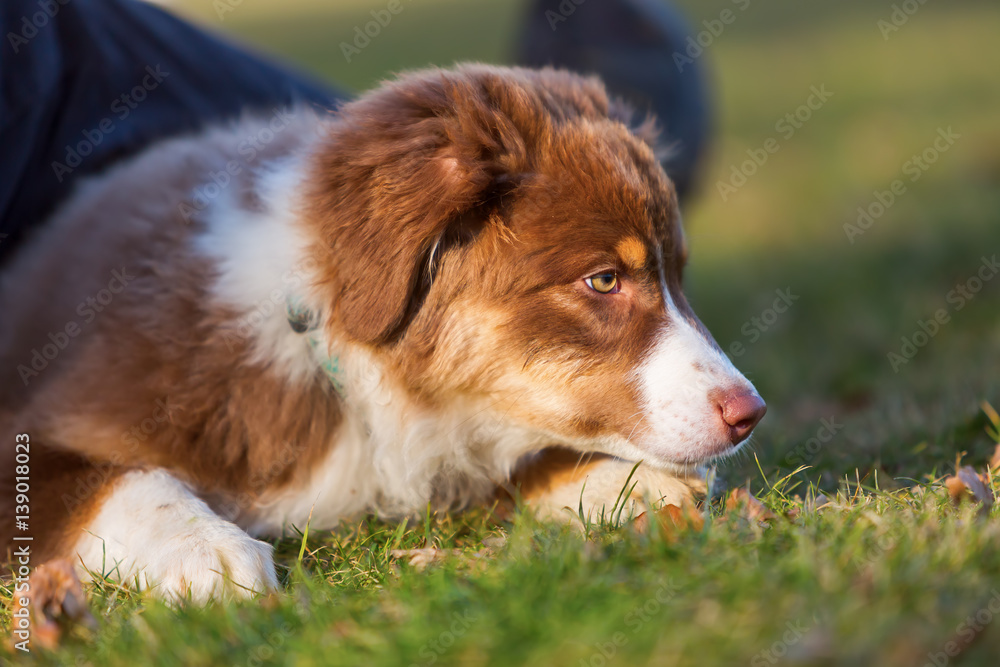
(556, 482)
(141, 527)
(151, 529)
(48, 495)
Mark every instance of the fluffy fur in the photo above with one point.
(368, 311)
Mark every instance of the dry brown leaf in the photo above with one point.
(968, 480)
(956, 488)
(670, 519)
(640, 524)
(978, 485)
(421, 558)
(54, 602)
(741, 499)
(686, 516)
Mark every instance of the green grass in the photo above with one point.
(886, 574)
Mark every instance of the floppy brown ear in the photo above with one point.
(403, 162)
(399, 165)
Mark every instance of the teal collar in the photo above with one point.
(302, 320)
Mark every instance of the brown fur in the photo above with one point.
(452, 215)
(492, 167)
(228, 424)
(63, 499)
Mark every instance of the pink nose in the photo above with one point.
(741, 411)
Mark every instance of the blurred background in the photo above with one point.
(885, 81)
(842, 230)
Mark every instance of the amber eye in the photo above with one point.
(604, 283)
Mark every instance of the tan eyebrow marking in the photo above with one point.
(633, 252)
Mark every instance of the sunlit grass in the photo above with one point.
(888, 571)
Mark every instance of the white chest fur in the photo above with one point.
(389, 455)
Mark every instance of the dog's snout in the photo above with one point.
(741, 411)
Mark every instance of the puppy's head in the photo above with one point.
(504, 238)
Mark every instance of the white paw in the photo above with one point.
(212, 562)
(153, 531)
(601, 486)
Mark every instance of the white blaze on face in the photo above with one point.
(681, 382)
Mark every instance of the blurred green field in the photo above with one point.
(784, 229)
(885, 577)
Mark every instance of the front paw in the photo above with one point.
(219, 563)
(560, 484)
(153, 531)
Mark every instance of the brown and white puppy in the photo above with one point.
(410, 301)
